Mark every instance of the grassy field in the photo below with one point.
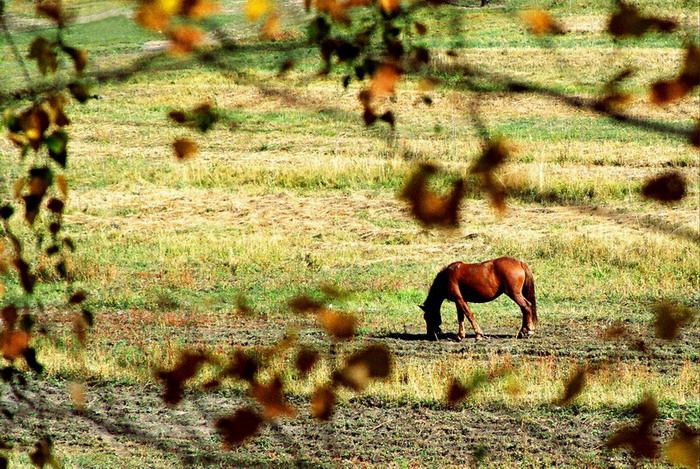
(290, 192)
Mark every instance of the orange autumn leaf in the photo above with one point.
(13, 343)
(389, 6)
(385, 79)
(668, 91)
(271, 28)
(184, 40)
(198, 9)
(541, 22)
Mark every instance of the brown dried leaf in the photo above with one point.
(690, 75)
(9, 316)
(456, 392)
(77, 297)
(55, 205)
(304, 304)
(78, 56)
(305, 360)
(174, 380)
(628, 22)
(684, 448)
(271, 398)
(43, 52)
(242, 367)
(42, 454)
(668, 187)
(495, 154)
(243, 307)
(541, 22)
(639, 438)
(52, 10)
(372, 362)
(670, 318)
(322, 402)
(573, 387)
(184, 148)
(695, 136)
(77, 396)
(340, 326)
(286, 66)
(235, 430)
(26, 277)
(421, 28)
(428, 208)
(613, 102)
(35, 121)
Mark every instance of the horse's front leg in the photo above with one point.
(460, 320)
(463, 310)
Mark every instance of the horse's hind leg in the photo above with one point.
(528, 327)
(463, 310)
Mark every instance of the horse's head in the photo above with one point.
(432, 322)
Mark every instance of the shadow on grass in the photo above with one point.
(448, 336)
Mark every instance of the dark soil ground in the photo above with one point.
(130, 426)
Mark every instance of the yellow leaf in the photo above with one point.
(152, 16)
(170, 7)
(254, 9)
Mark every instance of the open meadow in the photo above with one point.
(290, 194)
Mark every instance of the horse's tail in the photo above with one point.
(529, 290)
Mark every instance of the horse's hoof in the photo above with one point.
(432, 336)
(479, 337)
(525, 334)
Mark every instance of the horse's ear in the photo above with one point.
(422, 307)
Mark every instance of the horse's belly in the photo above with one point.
(480, 296)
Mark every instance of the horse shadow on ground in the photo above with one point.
(448, 336)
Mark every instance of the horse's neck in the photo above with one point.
(434, 300)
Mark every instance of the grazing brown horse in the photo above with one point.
(479, 283)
